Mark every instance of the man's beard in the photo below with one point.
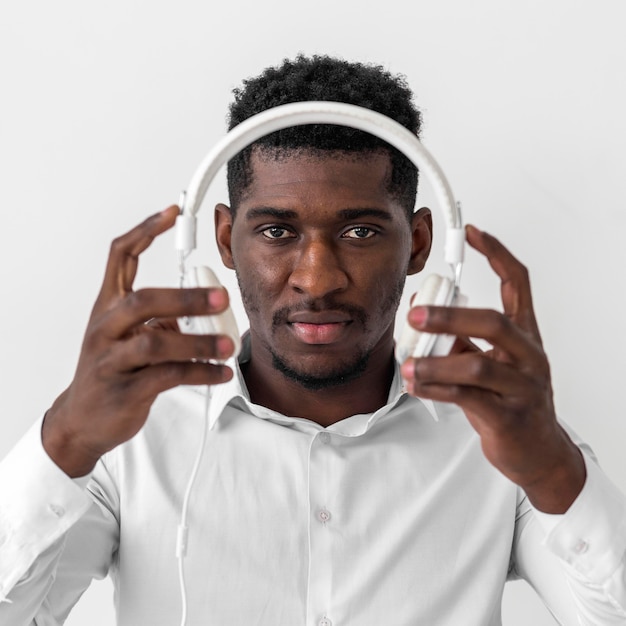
(340, 376)
(342, 373)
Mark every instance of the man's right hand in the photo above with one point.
(125, 362)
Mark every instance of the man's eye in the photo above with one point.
(359, 232)
(276, 232)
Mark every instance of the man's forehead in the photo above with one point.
(345, 186)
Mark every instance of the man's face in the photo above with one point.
(321, 250)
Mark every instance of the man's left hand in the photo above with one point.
(506, 392)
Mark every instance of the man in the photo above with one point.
(328, 493)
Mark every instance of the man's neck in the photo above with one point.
(367, 393)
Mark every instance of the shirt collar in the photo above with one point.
(224, 394)
(235, 392)
(398, 389)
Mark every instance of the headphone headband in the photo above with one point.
(338, 113)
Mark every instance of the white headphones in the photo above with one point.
(436, 289)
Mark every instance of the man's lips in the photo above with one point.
(318, 333)
(321, 327)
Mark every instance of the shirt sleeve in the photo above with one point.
(577, 561)
(54, 536)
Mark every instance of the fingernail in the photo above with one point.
(218, 298)
(225, 346)
(418, 316)
(225, 373)
(408, 369)
(476, 233)
(165, 212)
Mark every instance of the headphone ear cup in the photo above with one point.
(436, 290)
(223, 323)
(430, 291)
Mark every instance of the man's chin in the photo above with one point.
(315, 378)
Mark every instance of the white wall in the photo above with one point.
(106, 109)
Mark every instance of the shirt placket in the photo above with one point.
(322, 526)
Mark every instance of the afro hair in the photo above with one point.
(330, 79)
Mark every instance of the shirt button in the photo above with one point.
(581, 546)
(325, 622)
(324, 517)
(325, 438)
(59, 511)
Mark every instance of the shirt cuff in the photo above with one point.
(591, 535)
(39, 504)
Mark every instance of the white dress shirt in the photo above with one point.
(389, 518)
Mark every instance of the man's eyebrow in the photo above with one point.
(355, 214)
(267, 211)
(344, 214)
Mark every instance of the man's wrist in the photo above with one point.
(557, 488)
(62, 449)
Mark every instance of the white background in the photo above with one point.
(107, 108)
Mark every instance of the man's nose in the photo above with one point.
(318, 271)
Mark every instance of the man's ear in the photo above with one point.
(421, 239)
(223, 234)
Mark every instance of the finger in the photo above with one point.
(482, 406)
(468, 370)
(491, 408)
(487, 324)
(138, 307)
(125, 250)
(153, 347)
(505, 414)
(158, 378)
(515, 282)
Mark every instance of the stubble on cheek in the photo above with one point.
(248, 300)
